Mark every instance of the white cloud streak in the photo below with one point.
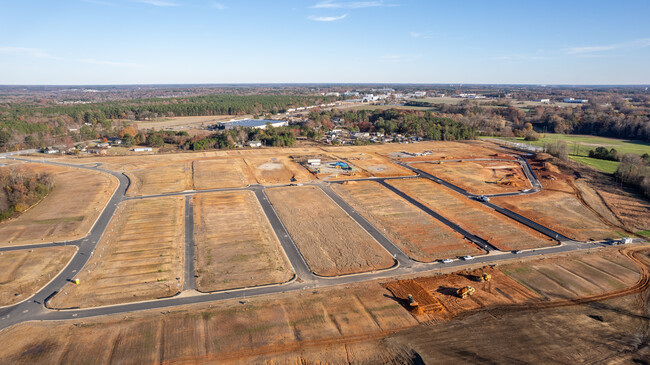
(219, 6)
(326, 18)
(161, 3)
(630, 45)
(29, 52)
(331, 4)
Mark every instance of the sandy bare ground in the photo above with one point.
(67, 213)
(480, 177)
(23, 272)
(419, 235)
(158, 179)
(498, 230)
(235, 244)
(222, 173)
(371, 164)
(278, 169)
(141, 257)
(330, 240)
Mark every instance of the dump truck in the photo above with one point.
(465, 292)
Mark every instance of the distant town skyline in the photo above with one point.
(105, 42)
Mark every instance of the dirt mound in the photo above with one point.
(550, 168)
(543, 156)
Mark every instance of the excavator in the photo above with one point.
(465, 292)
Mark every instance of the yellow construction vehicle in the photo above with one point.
(465, 292)
(415, 306)
(486, 277)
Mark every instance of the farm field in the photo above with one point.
(222, 173)
(341, 324)
(235, 244)
(561, 212)
(185, 123)
(141, 257)
(480, 177)
(68, 212)
(331, 242)
(24, 272)
(471, 215)
(159, 179)
(372, 164)
(419, 235)
(276, 170)
(580, 145)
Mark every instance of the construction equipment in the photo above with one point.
(465, 292)
(415, 306)
(412, 301)
(486, 277)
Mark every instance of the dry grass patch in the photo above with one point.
(140, 257)
(333, 324)
(159, 179)
(224, 173)
(67, 213)
(329, 239)
(236, 246)
(561, 212)
(498, 230)
(419, 235)
(480, 177)
(24, 272)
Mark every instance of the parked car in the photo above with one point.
(446, 261)
(466, 258)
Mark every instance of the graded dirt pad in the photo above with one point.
(561, 212)
(480, 177)
(419, 235)
(235, 244)
(159, 179)
(140, 257)
(68, 212)
(276, 170)
(332, 325)
(498, 230)
(331, 242)
(633, 212)
(576, 276)
(23, 272)
(372, 164)
(438, 149)
(223, 173)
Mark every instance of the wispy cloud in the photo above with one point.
(109, 63)
(219, 6)
(421, 35)
(25, 51)
(630, 45)
(332, 4)
(326, 18)
(399, 58)
(162, 3)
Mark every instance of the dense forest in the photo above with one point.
(21, 188)
(31, 126)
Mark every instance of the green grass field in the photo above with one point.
(580, 145)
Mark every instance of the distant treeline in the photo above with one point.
(20, 188)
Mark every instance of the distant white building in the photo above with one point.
(576, 101)
(543, 101)
(255, 144)
(142, 149)
(313, 162)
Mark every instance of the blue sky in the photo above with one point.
(389, 41)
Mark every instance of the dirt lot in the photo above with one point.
(480, 177)
(141, 257)
(633, 212)
(277, 170)
(329, 239)
(561, 212)
(185, 123)
(419, 235)
(23, 272)
(338, 325)
(159, 179)
(222, 173)
(372, 164)
(495, 228)
(67, 213)
(235, 244)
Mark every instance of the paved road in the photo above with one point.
(34, 308)
(189, 283)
